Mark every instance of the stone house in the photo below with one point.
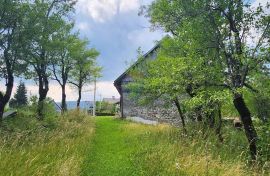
(158, 110)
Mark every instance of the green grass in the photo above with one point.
(121, 148)
(79, 145)
(111, 151)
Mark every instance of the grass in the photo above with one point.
(53, 147)
(121, 148)
(79, 145)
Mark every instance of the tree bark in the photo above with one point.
(4, 99)
(2, 108)
(177, 104)
(250, 131)
(64, 103)
(79, 98)
(219, 125)
(43, 90)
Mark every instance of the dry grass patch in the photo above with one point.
(55, 147)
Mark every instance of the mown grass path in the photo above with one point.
(110, 151)
(123, 148)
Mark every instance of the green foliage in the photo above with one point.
(264, 142)
(38, 35)
(48, 106)
(105, 107)
(20, 97)
(85, 69)
(261, 105)
(212, 41)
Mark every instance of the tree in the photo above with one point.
(223, 32)
(65, 45)
(177, 78)
(46, 19)
(11, 27)
(156, 79)
(20, 97)
(85, 69)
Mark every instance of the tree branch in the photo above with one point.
(251, 88)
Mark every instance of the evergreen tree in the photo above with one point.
(20, 97)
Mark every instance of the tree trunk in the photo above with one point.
(177, 104)
(43, 90)
(219, 125)
(2, 108)
(250, 131)
(211, 116)
(79, 98)
(64, 103)
(4, 99)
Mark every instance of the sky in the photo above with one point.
(116, 31)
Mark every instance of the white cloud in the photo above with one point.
(83, 26)
(128, 5)
(104, 10)
(98, 10)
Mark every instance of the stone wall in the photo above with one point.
(159, 110)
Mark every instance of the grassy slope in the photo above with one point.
(122, 148)
(28, 148)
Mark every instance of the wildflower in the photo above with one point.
(177, 165)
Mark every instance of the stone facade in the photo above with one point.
(158, 110)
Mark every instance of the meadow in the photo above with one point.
(77, 144)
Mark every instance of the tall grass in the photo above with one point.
(78, 145)
(123, 148)
(55, 146)
(163, 150)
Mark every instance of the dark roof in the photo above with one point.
(118, 80)
(112, 100)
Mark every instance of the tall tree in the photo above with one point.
(65, 44)
(226, 32)
(11, 27)
(85, 70)
(46, 19)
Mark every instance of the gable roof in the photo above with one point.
(119, 79)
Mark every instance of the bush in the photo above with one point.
(263, 130)
(262, 107)
(48, 107)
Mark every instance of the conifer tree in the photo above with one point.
(20, 97)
